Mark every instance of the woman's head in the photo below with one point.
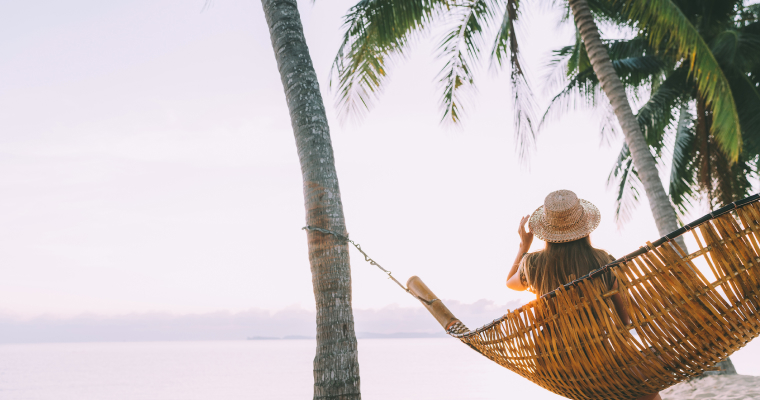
(564, 218)
(564, 222)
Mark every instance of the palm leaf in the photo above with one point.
(626, 179)
(563, 66)
(681, 188)
(742, 171)
(578, 60)
(749, 49)
(667, 27)
(732, 182)
(376, 33)
(748, 98)
(582, 88)
(656, 114)
(636, 63)
(581, 91)
(505, 42)
(506, 46)
(746, 87)
(629, 48)
(461, 49)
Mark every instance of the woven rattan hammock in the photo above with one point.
(573, 343)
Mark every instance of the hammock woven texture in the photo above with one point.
(688, 312)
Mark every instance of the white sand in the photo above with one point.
(739, 387)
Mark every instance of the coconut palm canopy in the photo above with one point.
(676, 117)
(378, 33)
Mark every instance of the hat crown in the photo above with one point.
(562, 208)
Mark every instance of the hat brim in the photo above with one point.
(585, 225)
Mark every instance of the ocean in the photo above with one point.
(418, 369)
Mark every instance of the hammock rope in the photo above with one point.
(368, 259)
(688, 312)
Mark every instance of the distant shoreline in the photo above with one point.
(280, 338)
(362, 335)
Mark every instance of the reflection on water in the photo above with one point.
(281, 369)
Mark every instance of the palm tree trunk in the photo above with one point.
(662, 209)
(643, 161)
(336, 364)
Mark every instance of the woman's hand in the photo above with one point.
(526, 238)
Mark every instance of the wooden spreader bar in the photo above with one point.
(434, 305)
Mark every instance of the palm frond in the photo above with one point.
(608, 11)
(732, 181)
(582, 88)
(628, 48)
(524, 107)
(667, 27)
(742, 171)
(725, 47)
(507, 45)
(635, 62)
(580, 92)
(563, 65)
(461, 49)
(747, 95)
(681, 188)
(608, 126)
(749, 50)
(578, 61)
(656, 114)
(505, 41)
(376, 33)
(628, 186)
(636, 71)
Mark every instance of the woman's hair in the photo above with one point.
(561, 263)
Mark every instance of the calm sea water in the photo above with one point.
(416, 369)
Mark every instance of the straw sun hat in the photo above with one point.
(564, 218)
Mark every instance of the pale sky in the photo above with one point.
(147, 164)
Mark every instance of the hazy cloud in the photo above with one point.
(231, 326)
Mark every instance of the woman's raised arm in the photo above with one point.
(526, 238)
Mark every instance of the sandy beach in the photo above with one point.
(735, 387)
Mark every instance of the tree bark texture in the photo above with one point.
(662, 210)
(336, 364)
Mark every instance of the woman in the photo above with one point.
(564, 222)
